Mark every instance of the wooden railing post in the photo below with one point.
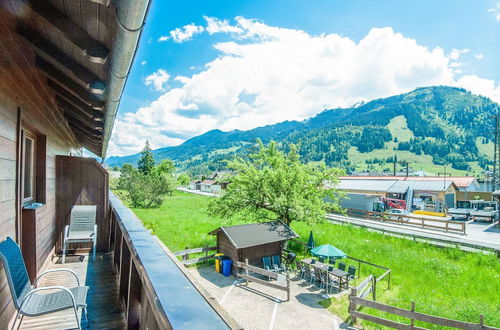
(374, 287)
(481, 320)
(412, 321)
(352, 305)
(447, 225)
(389, 280)
(185, 257)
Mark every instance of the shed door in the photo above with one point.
(450, 200)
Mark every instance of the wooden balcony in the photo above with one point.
(104, 309)
(135, 281)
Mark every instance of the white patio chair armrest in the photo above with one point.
(25, 298)
(66, 231)
(95, 230)
(55, 271)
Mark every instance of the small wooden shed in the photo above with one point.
(253, 241)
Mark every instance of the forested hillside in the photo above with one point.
(429, 126)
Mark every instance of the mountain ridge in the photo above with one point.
(446, 123)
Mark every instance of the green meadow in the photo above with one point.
(445, 282)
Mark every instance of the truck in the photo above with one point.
(484, 211)
(369, 202)
(461, 212)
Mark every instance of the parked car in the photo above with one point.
(397, 214)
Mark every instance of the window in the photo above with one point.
(28, 169)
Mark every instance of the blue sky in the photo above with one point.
(242, 64)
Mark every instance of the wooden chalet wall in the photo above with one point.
(82, 181)
(254, 254)
(23, 91)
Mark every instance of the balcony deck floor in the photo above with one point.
(104, 311)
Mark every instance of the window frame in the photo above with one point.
(32, 137)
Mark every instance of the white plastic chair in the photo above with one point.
(81, 228)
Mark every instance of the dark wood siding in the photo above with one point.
(82, 181)
(23, 87)
(254, 254)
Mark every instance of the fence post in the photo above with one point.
(423, 223)
(447, 225)
(374, 287)
(412, 321)
(352, 305)
(389, 280)
(246, 271)
(359, 269)
(185, 257)
(481, 320)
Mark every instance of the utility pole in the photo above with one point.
(496, 155)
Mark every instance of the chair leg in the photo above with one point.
(84, 312)
(64, 252)
(77, 319)
(15, 320)
(93, 249)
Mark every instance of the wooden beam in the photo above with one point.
(78, 115)
(96, 51)
(79, 106)
(62, 90)
(68, 83)
(91, 82)
(84, 128)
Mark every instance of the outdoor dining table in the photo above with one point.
(340, 274)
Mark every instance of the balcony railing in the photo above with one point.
(153, 288)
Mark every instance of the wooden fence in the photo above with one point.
(357, 300)
(282, 280)
(185, 255)
(408, 220)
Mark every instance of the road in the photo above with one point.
(478, 235)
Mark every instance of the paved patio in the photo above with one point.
(256, 306)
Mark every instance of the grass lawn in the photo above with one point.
(442, 281)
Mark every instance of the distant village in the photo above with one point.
(439, 194)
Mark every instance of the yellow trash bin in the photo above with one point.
(218, 262)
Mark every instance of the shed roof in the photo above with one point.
(253, 234)
(459, 181)
(366, 185)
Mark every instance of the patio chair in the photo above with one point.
(308, 272)
(315, 276)
(81, 228)
(266, 262)
(342, 266)
(323, 278)
(351, 272)
(332, 262)
(27, 298)
(301, 270)
(278, 266)
(321, 259)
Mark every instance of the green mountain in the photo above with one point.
(428, 127)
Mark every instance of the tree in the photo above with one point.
(147, 190)
(147, 161)
(276, 185)
(183, 179)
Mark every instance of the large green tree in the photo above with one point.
(276, 185)
(147, 161)
(147, 190)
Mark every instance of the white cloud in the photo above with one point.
(157, 80)
(479, 56)
(186, 32)
(495, 11)
(480, 86)
(163, 38)
(269, 74)
(215, 25)
(456, 53)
